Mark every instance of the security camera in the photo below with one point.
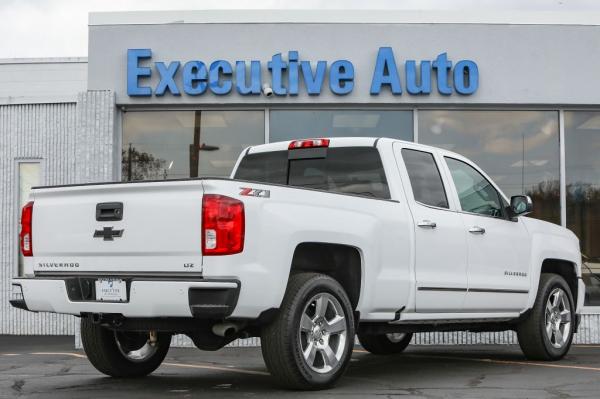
(267, 90)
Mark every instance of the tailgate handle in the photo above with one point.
(109, 211)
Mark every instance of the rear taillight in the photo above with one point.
(25, 236)
(309, 143)
(222, 225)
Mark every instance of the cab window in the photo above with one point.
(425, 179)
(475, 193)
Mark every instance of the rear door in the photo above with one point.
(440, 248)
(498, 247)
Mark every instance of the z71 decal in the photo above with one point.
(255, 192)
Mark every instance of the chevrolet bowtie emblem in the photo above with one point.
(108, 233)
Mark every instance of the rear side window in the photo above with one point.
(266, 167)
(348, 170)
(425, 179)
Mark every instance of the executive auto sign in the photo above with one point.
(220, 77)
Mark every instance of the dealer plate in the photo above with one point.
(111, 290)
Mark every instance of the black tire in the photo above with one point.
(107, 355)
(384, 344)
(283, 341)
(533, 338)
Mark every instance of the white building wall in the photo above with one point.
(74, 141)
(31, 131)
(44, 80)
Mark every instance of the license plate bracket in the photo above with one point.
(111, 290)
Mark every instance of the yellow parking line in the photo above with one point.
(264, 373)
(182, 365)
(216, 368)
(517, 362)
(497, 361)
(586, 346)
(553, 365)
(77, 355)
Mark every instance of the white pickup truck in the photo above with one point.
(308, 244)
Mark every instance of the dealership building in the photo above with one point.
(170, 95)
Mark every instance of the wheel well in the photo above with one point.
(565, 269)
(341, 262)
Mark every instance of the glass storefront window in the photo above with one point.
(518, 149)
(181, 144)
(298, 124)
(582, 163)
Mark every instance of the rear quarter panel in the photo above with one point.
(275, 226)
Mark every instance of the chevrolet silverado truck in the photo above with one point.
(307, 245)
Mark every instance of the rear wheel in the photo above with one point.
(385, 344)
(123, 354)
(309, 344)
(547, 332)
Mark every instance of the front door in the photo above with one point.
(497, 246)
(440, 240)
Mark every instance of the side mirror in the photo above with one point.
(521, 205)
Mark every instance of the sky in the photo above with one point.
(58, 28)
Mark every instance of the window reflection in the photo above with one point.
(518, 149)
(425, 178)
(582, 145)
(297, 124)
(475, 193)
(222, 137)
(181, 144)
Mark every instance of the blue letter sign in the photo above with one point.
(466, 77)
(386, 72)
(292, 76)
(135, 71)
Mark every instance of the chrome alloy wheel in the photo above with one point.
(136, 349)
(558, 318)
(322, 333)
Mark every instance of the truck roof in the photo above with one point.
(347, 142)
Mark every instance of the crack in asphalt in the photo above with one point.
(476, 381)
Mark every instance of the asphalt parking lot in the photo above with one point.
(49, 367)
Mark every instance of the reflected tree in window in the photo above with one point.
(582, 164)
(141, 165)
(544, 196)
(183, 144)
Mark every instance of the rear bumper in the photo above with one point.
(147, 297)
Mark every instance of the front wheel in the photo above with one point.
(385, 344)
(309, 344)
(547, 332)
(123, 354)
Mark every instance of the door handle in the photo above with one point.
(427, 224)
(477, 230)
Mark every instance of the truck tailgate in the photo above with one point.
(160, 229)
